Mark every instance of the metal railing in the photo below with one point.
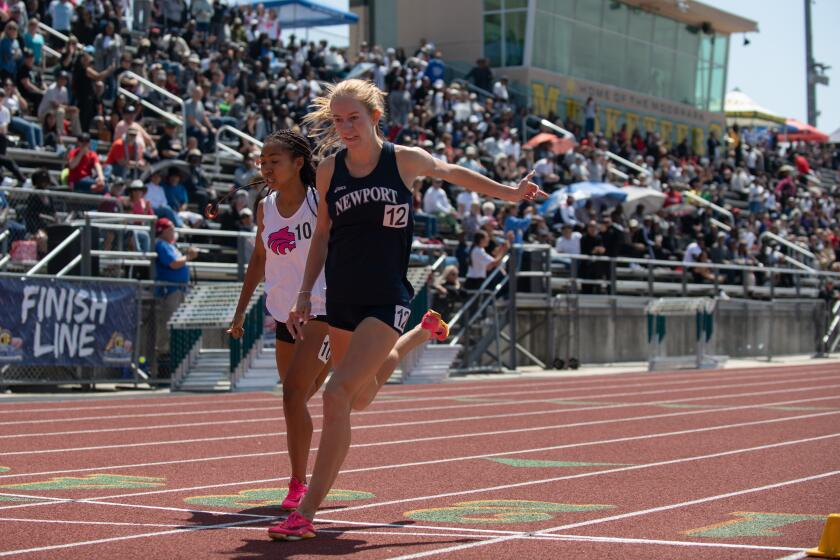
(832, 334)
(703, 202)
(152, 107)
(57, 34)
(610, 155)
(790, 245)
(52, 254)
(236, 132)
(174, 98)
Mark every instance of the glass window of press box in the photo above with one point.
(609, 42)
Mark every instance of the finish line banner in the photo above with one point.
(61, 323)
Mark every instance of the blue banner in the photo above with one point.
(57, 322)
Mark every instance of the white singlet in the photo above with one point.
(286, 242)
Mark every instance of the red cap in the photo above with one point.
(162, 224)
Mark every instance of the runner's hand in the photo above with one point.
(300, 313)
(236, 330)
(526, 190)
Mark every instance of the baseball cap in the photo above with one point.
(162, 225)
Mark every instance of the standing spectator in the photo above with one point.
(170, 269)
(481, 74)
(202, 11)
(481, 262)
(33, 39)
(83, 163)
(197, 122)
(589, 111)
(84, 28)
(108, 47)
(500, 90)
(173, 14)
(399, 104)
(84, 92)
(61, 14)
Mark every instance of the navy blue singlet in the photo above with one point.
(371, 234)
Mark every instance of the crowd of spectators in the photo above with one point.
(232, 66)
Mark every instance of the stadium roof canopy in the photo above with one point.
(305, 13)
(696, 14)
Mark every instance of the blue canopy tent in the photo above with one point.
(305, 13)
(604, 193)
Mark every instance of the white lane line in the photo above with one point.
(443, 420)
(431, 438)
(795, 556)
(128, 537)
(433, 462)
(71, 522)
(406, 410)
(484, 456)
(806, 376)
(593, 473)
(624, 515)
(583, 380)
(494, 540)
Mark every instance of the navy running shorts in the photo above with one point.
(347, 316)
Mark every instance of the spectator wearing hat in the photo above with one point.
(172, 278)
(138, 204)
(129, 121)
(470, 160)
(86, 174)
(169, 145)
(126, 155)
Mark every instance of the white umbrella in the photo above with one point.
(835, 137)
(742, 110)
(651, 199)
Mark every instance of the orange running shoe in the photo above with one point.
(433, 322)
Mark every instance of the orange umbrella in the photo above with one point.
(799, 131)
(558, 145)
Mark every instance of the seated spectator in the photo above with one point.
(39, 211)
(129, 122)
(11, 55)
(57, 100)
(169, 145)
(231, 219)
(156, 195)
(18, 108)
(126, 155)
(470, 160)
(176, 195)
(86, 174)
(247, 171)
(28, 80)
(137, 204)
(592, 244)
(5, 121)
(17, 230)
(197, 182)
(448, 292)
(436, 203)
(568, 243)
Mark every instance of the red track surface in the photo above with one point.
(671, 461)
